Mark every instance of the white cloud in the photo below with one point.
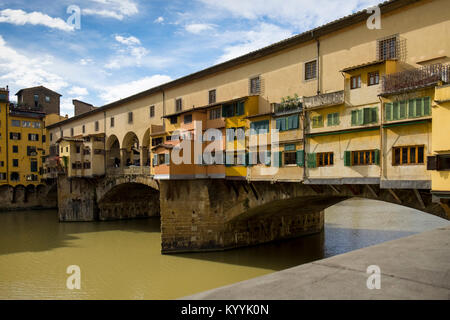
(243, 42)
(116, 9)
(303, 14)
(20, 17)
(86, 61)
(128, 40)
(23, 71)
(132, 54)
(197, 28)
(78, 91)
(120, 91)
(159, 20)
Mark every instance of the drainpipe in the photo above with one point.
(104, 141)
(318, 65)
(382, 165)
(304, 142)
(7, 140)
(164, 109)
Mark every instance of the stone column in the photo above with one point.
(123, 158)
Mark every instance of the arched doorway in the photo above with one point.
(131, 153)
(112, 152)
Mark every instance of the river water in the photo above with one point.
(122, 260)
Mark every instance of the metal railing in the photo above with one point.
(416, 78)
(325, 99)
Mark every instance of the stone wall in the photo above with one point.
(77, 199)
(31, 197)
(200, 215)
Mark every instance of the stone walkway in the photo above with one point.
(415, 267)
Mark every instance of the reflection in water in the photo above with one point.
(122, 260)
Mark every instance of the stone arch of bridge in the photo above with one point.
(129, 199)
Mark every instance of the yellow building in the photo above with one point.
(4, 104)
(368, 102)
(24, 144)
(439, 160)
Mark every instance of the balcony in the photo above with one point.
(324, 100)
(415, 79)
(288, 105)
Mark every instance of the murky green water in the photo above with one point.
(122, 260)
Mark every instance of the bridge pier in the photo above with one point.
(202, 215)
(219, 214)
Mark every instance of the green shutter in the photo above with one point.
(377, 157)
(336, 118)
(267, 160)
(367, 115)
(289, 147)
(354, 117)
(426, 106)
(396, 111)
(375, 115)
(312, 160)
(279, 157)
(402, 109)
(293, 122)
(411, 108)
(329, 119)
(240, 108)
(388, 112)
(347, 158)
(247, 159)
(301, 158)
(167, 158)
(419, 107)
(155, 160)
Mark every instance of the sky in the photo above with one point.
(127, 46)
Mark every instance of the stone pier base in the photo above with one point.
(207, 215)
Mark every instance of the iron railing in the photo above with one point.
(416, 78)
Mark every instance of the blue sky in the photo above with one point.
(127, 46)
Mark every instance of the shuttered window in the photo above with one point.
(333, 119)
(311, 70)
(408, 155)
(311, 160)
(405, 109)
(317, 122)
(364, 116)
(255, 85)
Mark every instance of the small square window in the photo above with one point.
(212, 96)
(373, 78)
(311, 70)
(178, 105)
(152, 111)
(47, 99)
(255, 85)
(188, 119)
(355, 82)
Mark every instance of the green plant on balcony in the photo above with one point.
(65, 160)
(289, 103)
